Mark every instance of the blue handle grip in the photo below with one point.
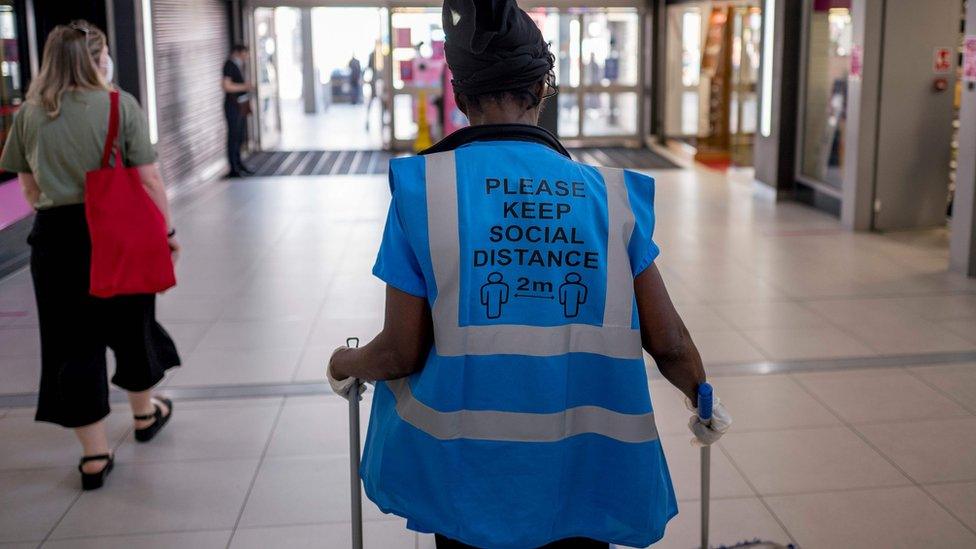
(705, 401)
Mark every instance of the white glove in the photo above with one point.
(706, 435)
(345, 386)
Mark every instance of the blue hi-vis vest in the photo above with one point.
(531, 420)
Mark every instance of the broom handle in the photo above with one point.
(356, 499)
(705, 414)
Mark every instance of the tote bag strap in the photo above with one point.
(113, 132)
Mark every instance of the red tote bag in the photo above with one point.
(130, 251)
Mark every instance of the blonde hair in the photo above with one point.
(71, 56)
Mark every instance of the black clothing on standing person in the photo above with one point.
(236, 120)
(568, 543)
(76, 328)
(356, 80)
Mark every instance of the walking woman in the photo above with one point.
(57, 137)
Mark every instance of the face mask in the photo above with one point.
(108, 69)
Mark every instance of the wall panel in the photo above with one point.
(190, 41)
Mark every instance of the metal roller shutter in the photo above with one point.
(190, 39)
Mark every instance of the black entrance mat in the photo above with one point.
(275, 163)
(268, 163)
(623, 157)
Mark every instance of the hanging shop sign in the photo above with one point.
(942, 61)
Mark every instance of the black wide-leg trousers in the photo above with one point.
(77, 328)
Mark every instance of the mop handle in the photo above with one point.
(705, 415)
(705, 402)
(356, 500)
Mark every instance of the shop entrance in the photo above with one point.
(320, 77)
(712, 66)
(403, 78)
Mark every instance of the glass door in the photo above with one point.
(597, 69)
(417, 70)
(265, 56)
(743, 112)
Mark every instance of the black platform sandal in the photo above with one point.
(146, 434)
(94, 481)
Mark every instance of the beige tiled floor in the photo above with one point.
(783, 303)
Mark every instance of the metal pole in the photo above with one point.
(705, 414)
(355, 491)
(706, 458)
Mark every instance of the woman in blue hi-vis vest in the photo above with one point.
(512, 406)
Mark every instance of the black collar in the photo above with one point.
(498, 132)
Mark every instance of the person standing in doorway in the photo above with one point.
(375, 67)
(56, 138)
(236, 108)
(356, 80)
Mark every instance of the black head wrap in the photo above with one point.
(493, 46)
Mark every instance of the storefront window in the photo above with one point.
(11, 94)
(12, 205)
(825, 108)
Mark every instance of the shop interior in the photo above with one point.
(712, 64)
(398, 54)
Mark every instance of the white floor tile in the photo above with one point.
(807, 460)
(236, 366)
(957, 380)
(725, 347)
(770, 315)
(315, 426)
(254, 335)
(879, 396)
(387, 534)
(813, 343)
(770, 402)
(959, 497)
(195, 540)
(684, 465)
(206, 433)
(731, 521)
(929, 451)
(892, 517)
(29, 444)
(33, 501)
(161, 497)
(303, 490)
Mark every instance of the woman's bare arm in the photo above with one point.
(32, 193)
(399, 350)
(664, 336)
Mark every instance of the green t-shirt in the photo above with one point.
(59, 152)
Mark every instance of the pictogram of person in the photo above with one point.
(572, 294)
(494, 294)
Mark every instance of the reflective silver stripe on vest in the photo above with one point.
(520, 426)
(614, 339)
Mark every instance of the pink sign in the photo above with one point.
(857, 61)
(969, 59)
(942, 62)
(402, 38)
(437, 46)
